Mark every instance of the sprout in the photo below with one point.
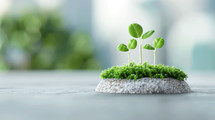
(131, 45)
(136, 31)
(158, 43)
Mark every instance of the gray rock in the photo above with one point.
(143, 86)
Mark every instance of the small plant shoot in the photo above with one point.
(158, 43)
(136, 31)
(131, 45)
(133, 71)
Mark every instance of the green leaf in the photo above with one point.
(132, 44)
(158, 42)
(135, 30)
(148, 34)
(122, 47)
(148, 47)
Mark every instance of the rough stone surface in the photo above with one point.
(143, 86)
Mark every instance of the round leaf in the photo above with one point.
(132, 44)
(135, 30)
(148, 34)
(158, 42)
(148, 47)
(122, 47)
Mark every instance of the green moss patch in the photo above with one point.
(134, 72)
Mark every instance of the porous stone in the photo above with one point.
(143, 86)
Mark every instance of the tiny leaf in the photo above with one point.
(132, 44)
(158, 42)
(148, 34)
(135, 30)
(122, 47)
(148, 47)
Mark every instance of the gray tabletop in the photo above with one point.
(69, 95)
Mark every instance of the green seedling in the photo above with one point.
(131, 45)
(158, 43)
(136, 31)
(132, 71)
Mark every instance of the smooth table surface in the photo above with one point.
(70, 95)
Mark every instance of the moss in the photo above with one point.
(134, 72)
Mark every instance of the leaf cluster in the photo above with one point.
(132, 44)
(136, 31)
(158, 43)
(133, 71)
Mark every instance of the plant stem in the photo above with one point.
(128, 57)
(154, 56)
(140, 51)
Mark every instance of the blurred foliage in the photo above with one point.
(42, 41)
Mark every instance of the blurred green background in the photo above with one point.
(41, 40)
(84, 34)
